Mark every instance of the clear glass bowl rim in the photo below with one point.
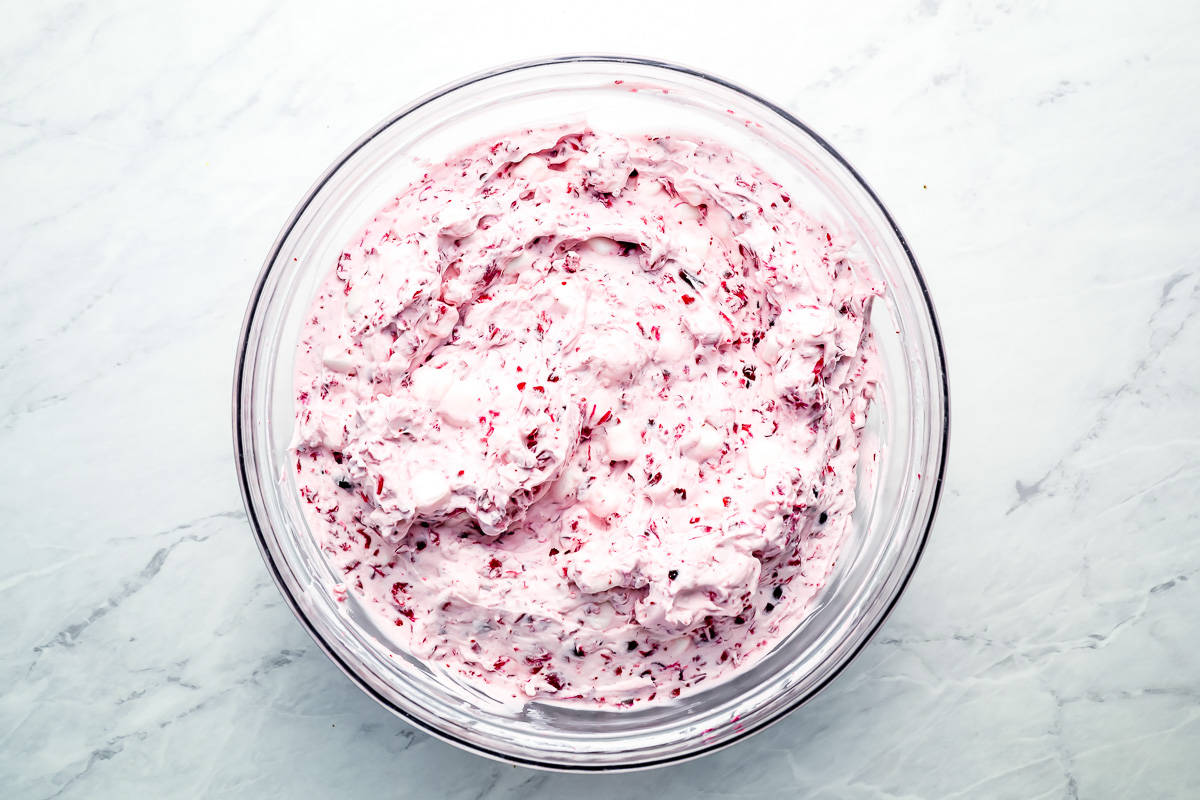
(241, 445)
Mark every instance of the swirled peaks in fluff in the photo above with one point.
(579, 415)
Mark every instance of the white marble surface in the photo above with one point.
(1042, 158)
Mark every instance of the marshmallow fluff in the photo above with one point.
(579, 415)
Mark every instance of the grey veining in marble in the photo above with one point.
(1041, 157)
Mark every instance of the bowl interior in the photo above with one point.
(899, 473)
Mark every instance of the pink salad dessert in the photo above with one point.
(579, 415)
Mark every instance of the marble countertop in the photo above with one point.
(1041, 158)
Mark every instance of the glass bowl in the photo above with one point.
(908, 422)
